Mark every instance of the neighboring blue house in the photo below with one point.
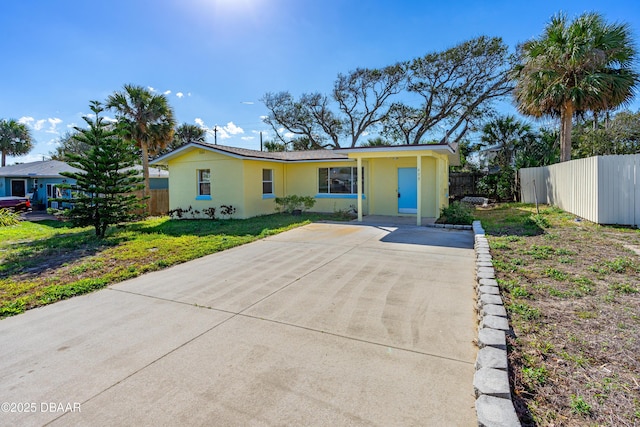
(41, 181)
(38, 179)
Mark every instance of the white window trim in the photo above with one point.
(268, 195)
(329, 194)
(200, 196)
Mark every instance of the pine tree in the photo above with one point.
(103, 192)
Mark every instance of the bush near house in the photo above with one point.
(293, 202)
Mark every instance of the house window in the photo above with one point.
(267, 181)
(338, 181)
(53, 192)
(204, 182)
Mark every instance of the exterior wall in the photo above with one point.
(255, 202)
(301, 179)
(603, 189)
(383, 184)
(238, 182)
(227, 182)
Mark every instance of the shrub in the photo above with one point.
(499, 186)
(456, 213)
(8, 218)
(293, 202)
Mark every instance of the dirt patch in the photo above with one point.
(573, 298)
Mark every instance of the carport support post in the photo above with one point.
(419, 187)
(359, 173)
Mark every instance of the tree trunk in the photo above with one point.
(566, 124)
(145, 173)
(4, 158)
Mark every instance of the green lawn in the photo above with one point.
(44, 262)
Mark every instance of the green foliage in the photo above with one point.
(524, 310)
(617, 135)
(68, 144)
(102, 195)
(15, 139)
(274, 146)
(559, 74)
(501, 185)
(534, 376)
(8, 218)
(290, 203)
(538, 220)
(456, 213)
(580, 406)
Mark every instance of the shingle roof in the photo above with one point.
(278, 155)
(52, 169)
(298, 156)
(46, 168)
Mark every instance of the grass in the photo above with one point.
(572, 293)
(44, 262)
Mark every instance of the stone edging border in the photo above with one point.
(494, 406)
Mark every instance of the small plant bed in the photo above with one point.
(44, 262)
(572, 293)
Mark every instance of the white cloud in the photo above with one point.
(30, 121)
(109, 119)
(233, 129)
(167, 92)
(71, 125)
(189, 94)
(263, 117)
(53, 128)
(179, 94)
(289, 135)
(200, 123)
(26, 120)
(247, 102)
(247, 138)
(151, 89)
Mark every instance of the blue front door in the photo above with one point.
(407, 190)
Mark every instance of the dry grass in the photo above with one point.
(572, 291)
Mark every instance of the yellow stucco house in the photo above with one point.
(400, 180)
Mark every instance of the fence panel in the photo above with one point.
(603, 189)
(464, 184)
(158, 201)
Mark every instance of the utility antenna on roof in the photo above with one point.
(215, 135)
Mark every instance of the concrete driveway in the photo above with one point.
(327, 324)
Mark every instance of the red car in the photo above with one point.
(15, 203)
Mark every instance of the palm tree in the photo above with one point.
(147, 120)
(506, 134)
(15, 139)
(584, 65)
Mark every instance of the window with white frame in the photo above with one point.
(267, 181)
(342, 180)
(204, 182)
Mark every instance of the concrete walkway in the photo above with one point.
(328, 324)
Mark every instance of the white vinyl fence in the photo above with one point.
(602, 189)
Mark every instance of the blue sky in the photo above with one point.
(216, 58)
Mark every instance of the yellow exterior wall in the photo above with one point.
(383, 182)
(302, 180)
(227, 181)
(254, 202)
(238, 183)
